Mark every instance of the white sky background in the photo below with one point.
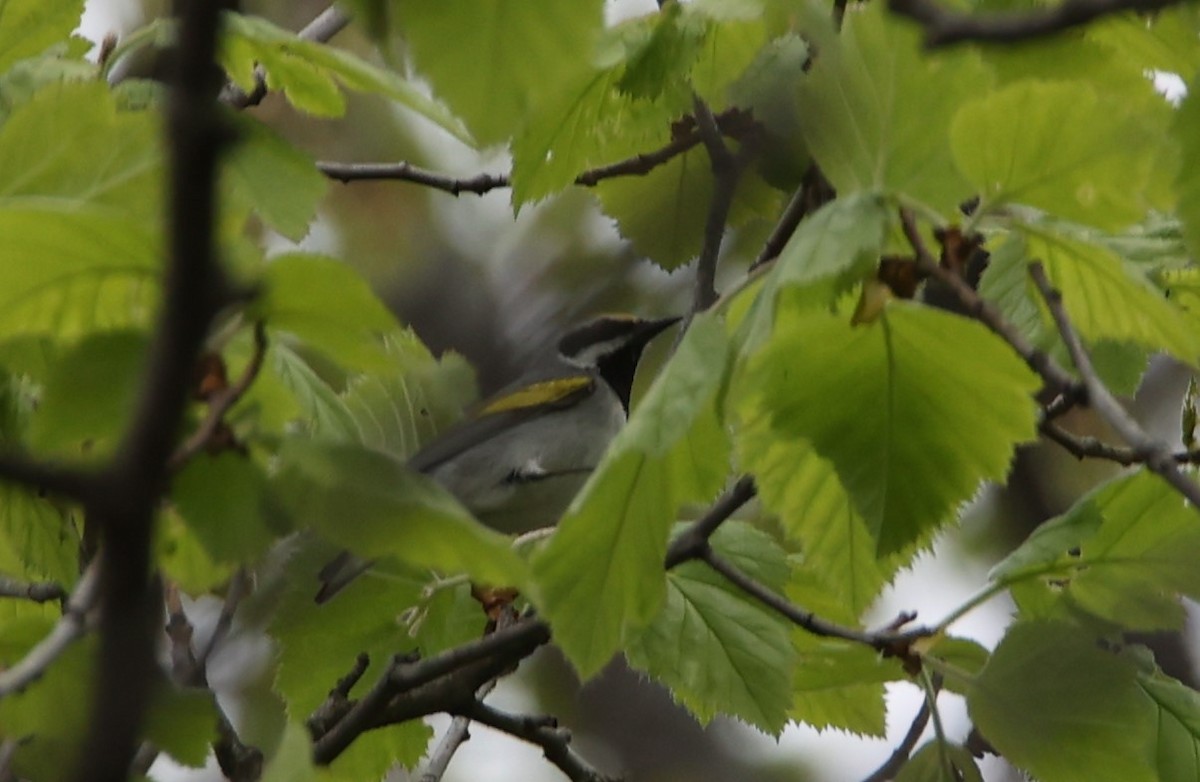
(937, 583)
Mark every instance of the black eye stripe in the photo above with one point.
(578, 339)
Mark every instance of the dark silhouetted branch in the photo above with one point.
(690, 543)
(944, 27)
(891, 767)
(413, 688)
(126, 498)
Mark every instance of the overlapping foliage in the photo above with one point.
(867, 428)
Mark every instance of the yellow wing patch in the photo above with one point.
(546, 392)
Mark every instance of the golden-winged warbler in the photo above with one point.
(521, 455)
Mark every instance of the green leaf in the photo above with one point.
(222, 498)
(739, 654)
(836, 247)
(448, 617)
(49, 718)
(90, 394)
(588, 123)
(1163, 42)
(876, 110)
(813, 507)
(664, 212)
(328, 305)
(182, 723)
(292, 761)
(278, 181)
(375, 506)
(42, 535)
(374, 754)
(767, 88)
(520, 54)
(726, 51)
(93, 271)
(909, 383)
(936, 762)
(308, 72)
(1011, 146)
(664, 59)
(1186, 132)
(958, 660)
(601, 576)
(28, 27)
(286, 373)
(1058, 706)
(87, 152)
(1120, 554)
(1176, 741)
(183, 559)
(837, 684)
(398, 411)
(318, 644)
(1108, 298)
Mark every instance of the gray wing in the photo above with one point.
(479, 429)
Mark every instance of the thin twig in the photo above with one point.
(37, 591)
(1156, 455)
(891, 767)
(8, 750)
(690, 543)
(944, 27)
(239, 587)
(888, 641)
(72, 626)
(543, 732)
(793, 213)
(327, 24)
(221, 402)
(179, 630)
(638, 165)
(456, 735)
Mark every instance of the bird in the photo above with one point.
(518, 457)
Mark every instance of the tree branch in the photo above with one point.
(540, 731)
(37, 591)
(126, 498)
(638, 165)
(413, 688)
(690, 543)
(727, 170)
(944, 27)
(1087, 447)
(72, 626)
(1156, 455)
(67, 482)
(891, 767)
